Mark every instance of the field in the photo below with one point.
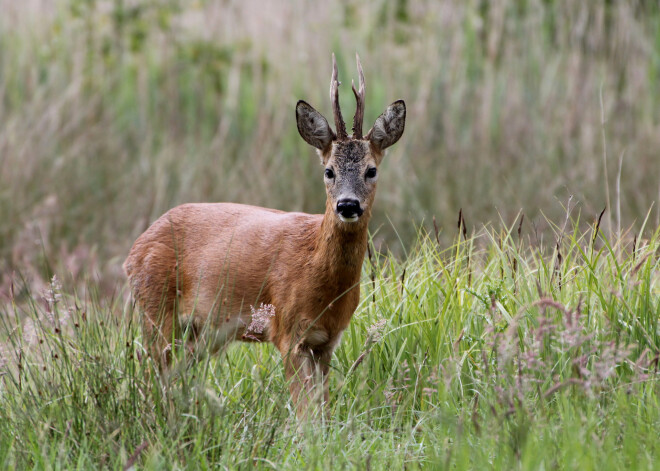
(488, 354)
(527, 337)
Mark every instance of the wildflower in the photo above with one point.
(260, 320)
(52, 294)
(374, 335)
(375, 331)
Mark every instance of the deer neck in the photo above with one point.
(340, 246)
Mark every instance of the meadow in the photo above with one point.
(489, 354)
(525, 336)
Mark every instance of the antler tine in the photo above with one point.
(359, 98)
(334, 98)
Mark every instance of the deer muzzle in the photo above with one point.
(349, 210)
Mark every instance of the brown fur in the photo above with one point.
(205, 267)
(232, 257)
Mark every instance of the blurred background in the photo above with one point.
(113, 111)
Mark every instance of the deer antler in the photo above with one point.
(334, 98)
(359, 98)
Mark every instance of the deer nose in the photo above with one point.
(349, 208)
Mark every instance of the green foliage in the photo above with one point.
(456, 358)
(510, 349)
(112, 112)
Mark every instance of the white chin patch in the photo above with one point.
(352, 219)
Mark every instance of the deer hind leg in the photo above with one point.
(159, 332)
(155, 288)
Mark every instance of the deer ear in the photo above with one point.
(389, 126)
(313, 127)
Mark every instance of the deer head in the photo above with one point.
(351, 162)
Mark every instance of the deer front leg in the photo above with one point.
(307, 370)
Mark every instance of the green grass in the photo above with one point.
(487, 354)
(112, 112)
(491, 351)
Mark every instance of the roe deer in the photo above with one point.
(242, 272)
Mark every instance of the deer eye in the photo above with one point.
(371, 173)
(329, 173)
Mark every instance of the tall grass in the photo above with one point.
(524, 344)
(491, 353)
(113, 111)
